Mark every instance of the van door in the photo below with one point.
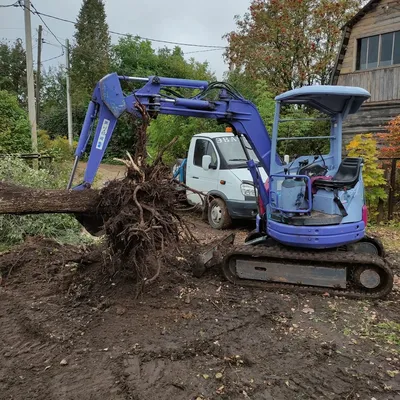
(198, 178)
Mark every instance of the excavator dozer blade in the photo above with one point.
(213, 255)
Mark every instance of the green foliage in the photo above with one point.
(14, 125)
(365, 146)
(57, 148)
(259, 92)
(244, 84)
(90, 56)
(166, 127)
(302, 128)
(133, 56)
(14, 228)
(265, 103)
(13, 69)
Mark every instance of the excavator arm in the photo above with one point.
(109, 102)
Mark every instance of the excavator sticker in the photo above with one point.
(103, 133)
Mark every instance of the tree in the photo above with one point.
(90, 56)
(13, 69)
(130, 56)
(133, 56)
(53, 102)
(289, 43)
(14, 125)
(391, 140)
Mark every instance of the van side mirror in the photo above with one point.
(205, 162)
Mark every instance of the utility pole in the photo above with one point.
(39, 61)
(69, 109)
(29, 75)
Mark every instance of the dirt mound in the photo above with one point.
(37, 254)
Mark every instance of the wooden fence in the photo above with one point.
(390, 166)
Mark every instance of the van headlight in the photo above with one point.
(247, 190)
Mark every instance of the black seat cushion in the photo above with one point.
(346, 176)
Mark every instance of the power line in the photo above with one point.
(53, 58)
(16, 4)
(203, 51)
(168, 42)
(44, 22)
(127, 34)
(51, 44)
(45, 30)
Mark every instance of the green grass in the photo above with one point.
(15, 228)
(388, 332)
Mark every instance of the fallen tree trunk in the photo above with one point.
(22, 200)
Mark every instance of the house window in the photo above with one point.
(378, 51)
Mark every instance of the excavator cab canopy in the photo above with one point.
(328, 99)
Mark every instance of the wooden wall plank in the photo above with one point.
(382, 83)
(371, 118)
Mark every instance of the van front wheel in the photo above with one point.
(218, 215)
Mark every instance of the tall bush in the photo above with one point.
(14, 125)
(365, 146)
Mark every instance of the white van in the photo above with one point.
(216, 165)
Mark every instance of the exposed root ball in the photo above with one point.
(141, 222)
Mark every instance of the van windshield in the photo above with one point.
(231, 150)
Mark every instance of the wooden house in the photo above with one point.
(369, 57)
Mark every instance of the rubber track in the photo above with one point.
(334, 259)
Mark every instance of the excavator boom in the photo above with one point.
(109, 102)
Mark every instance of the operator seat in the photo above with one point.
(346, 176)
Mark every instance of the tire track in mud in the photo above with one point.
(30, 355)
(25, 350)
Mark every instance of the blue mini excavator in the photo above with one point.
(310, 232)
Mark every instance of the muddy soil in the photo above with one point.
(67, 331)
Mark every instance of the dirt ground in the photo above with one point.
(69, 332)
(106, 172)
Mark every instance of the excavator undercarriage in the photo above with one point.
(356, 271)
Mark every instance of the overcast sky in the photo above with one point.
(189, 21)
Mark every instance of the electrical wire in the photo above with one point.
(168, 42)
(16, 4)
(127, 34)
(45, 30)
(53, 58)
(203, 51)
(51, 44)
(44, 22)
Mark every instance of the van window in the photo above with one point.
(204, 147)
(232, 151)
